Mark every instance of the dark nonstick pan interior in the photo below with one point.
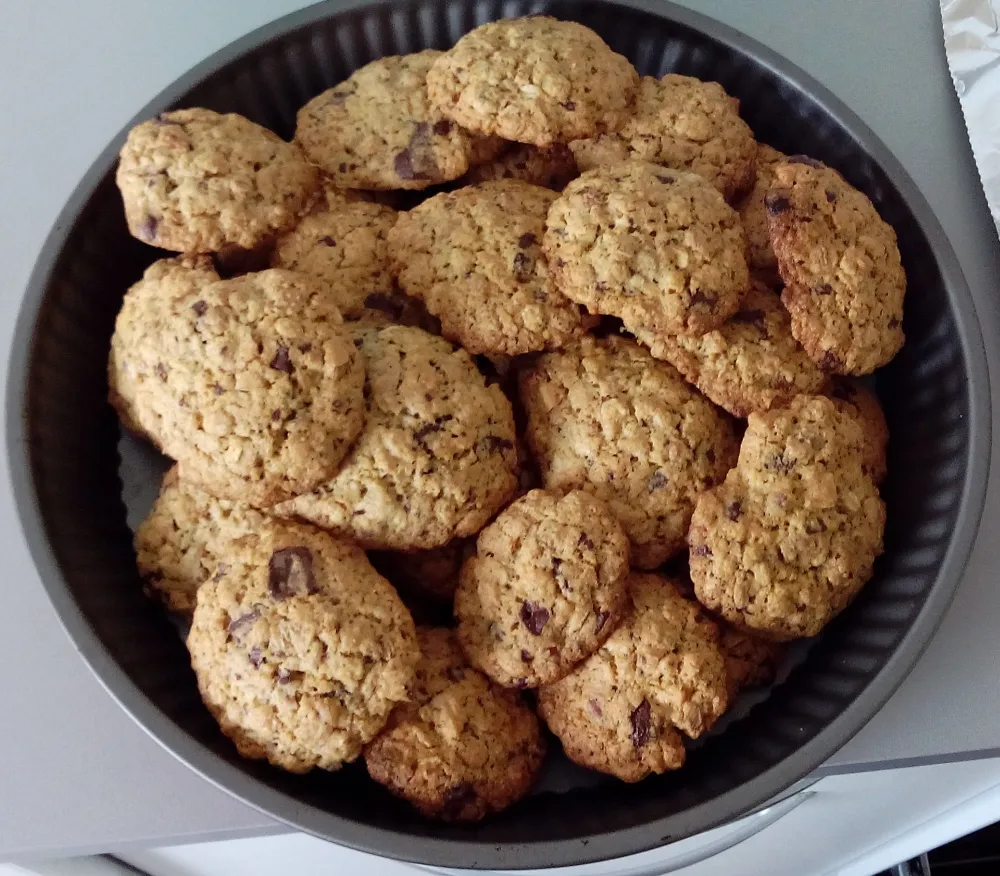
(64, 446)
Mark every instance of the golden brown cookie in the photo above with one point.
(544, 589)
(188, 537)
(533, 80)
(661, 671)
(342, 243)
(252, 384)
(753, 215)
(196, 181)
(553, 167)
(683, 123)
(749, 363)
(852, 397)
(787, 541)
(660, 249)
(474, 258)
(436, 459)
(301, 650)
(844, 283)
(605, 416)
(462, 748)
(376, 130)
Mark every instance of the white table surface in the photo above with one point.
(75, 773)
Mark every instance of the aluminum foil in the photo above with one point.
(972, 47)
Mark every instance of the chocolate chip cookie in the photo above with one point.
(193, 180)
(660, 672)
(605, 416)
(377, 130)
(544, 589)
(301, 650)
(749, 363)
(533, 80)
(474, 257)
(844, 282)
(787, 541)
(660, 249)
(436, 459)
(462, 748)
(683, 123)
(252, 384)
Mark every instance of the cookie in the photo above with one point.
(852, 397)
(787, 541)
(252, 384)
(553, 167)
(750, 660)
(162, 281)
(344, 245)
(844, 282)
(660, 249)
(462, 748)
(753, 215)
(474, 258)
(749, 363)
(193, 180)
(605, 416)
(188, 537)
(685, 124)
(432, 573)
(301, 651)
(544, 589)
(436, 459)
(533, 80)
(660, 672)
(376, 130)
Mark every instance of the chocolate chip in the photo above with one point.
(804, 159)
(442, 128)
(526, 240)
(290, 573)
(221, 571)
(708, 298)
(494, 443)
(147, 229)
(595, 708)
(601, 619)
(640, 724)
(328, 241)
(339, 98)
(585, 541)
(776, 204)
(526, 656)
(830, 362)
(218, 390)
(734, 510)
(831, 196)
(556, 566)
(568, 105)
(256, 656)
(657, 481)
(281, 362)
(823, 289)
(893, 323)
(403, 165)
(199, 307)
(275, 415)
(161, 370)
(667, 180)
(416, 161)
(701, 550)
(534, 617)
(244, 620)
(456, 800)
(424, 431)
(524, 267)
(754, 317)
(779, 462)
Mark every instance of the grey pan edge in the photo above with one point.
(470, 853)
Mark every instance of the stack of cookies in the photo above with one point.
(510, 329)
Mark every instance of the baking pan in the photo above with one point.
(74, 489)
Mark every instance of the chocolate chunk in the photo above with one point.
(221, 571)
(734, 510)
(424, 431)
(585, 541)
(199, 307)
(776, 204)
(244, 620)
(524, 267)
(595, 708)
(751, 317)
(275, 415)
(290, 573)
(494, 443)
(657, 481)
(830, 362)
(893, 323)
(218, 390)
(534, 617)
(708, 298)
(601, 619)
(256, 656)
(526, 240)
(328, 241)
(403, 165)
(779, 462)
(823, 289)
(416, 161)
(442, 128)
(568, 105)
(161, 371)
(701, 550)
(556, 566)
(281, 362)
(526, 657)
(640, 724)
(804, 159)
(667, 180)
(456, 800)
(831, 196)
(339, 98)
(147, 229)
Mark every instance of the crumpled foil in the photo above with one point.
(972, 47)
